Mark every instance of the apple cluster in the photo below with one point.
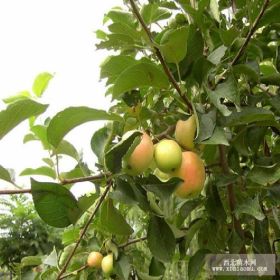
(171, 158)
(96, 260)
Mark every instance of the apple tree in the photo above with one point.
(188, 162)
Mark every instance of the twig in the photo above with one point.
(84, 179)
(164, 134)
(83, 232)
(133, 241)
(74, 272)
(250, 33)
(231, 196)
(9, 192)
(160, 57)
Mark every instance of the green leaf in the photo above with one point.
(214, 8)
(251, 207)
(123, 267)
(194, 227)
(55, 204)
(196, 263)
(66, 148)
(139, 75)
(72, 117)
(41, 83)
(145, 276)
(40, 131)
(214, 205)
(5, 174)
(271, 15)
(207, 124)
(265, 175)
(99, 142)
(173, 44)
(19, 96)
(249, 70)
(31, 261)
(249, 115)
(261, 243)
(42, 171)
(162, 189)
(161, 240)
(273, 79)
(124, 29)
(226, 90)
(152, 13)
(18, 112)
(218, 137)
(70, 235)
(216, 56)
(52, 259)
(114, 156)
(114, 65)
(156, 268)
(87, 200)
(117, 15)
(111, 220)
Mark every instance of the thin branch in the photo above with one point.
(160, 57)
(164, 134)
(133, 241)
(9, 192)
(85, 179)
(250, 33)
(74, 272)
(83, 232)
(231, 196)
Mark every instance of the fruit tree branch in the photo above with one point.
(9, 192)
(84, 179)
(133, 241)
(74, 272)
(84, 230)
(250, 33)
(160, 57)
(231, 195)
(164, 134)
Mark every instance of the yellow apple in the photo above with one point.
(94, 259)
(142, 156)
(168, 155)
(192, 171)
(107, 264)
(185, 132)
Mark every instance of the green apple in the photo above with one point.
(107, 264)
(185, 132)
(94, 259)
(168, 155)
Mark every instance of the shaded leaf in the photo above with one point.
(161, 240)
(112, 220)
(114, 156)
(196, 263)
(218, 137)
(251, 207)
(265, 175)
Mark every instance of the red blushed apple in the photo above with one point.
(94, 259)
(141, 157)
(192, 171)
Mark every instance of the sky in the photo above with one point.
(55, 36)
